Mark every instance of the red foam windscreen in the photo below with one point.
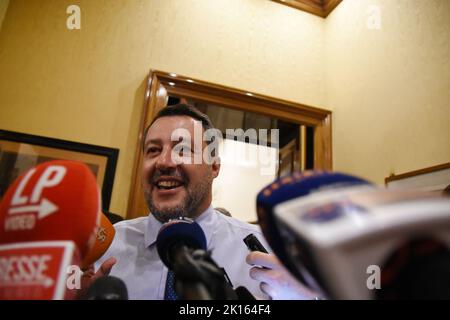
(55, 200)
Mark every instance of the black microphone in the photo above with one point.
(107, 288)
(244, 294)
(176, 237)
(181, 245)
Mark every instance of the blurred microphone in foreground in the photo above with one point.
(347, 239)
(49, 219)
(107, 288)
(103, 239)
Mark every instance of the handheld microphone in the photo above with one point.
(357, 241)
(48, 220)
(176, 236)
(56, 200)
(103, 239)
(244, 294)
(297, 185)
(181, 245)
(107, 288)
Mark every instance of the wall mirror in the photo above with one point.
(303, 139)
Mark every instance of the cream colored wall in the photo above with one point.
(3, 7)
(389, 89)
(88, 85)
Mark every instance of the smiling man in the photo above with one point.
(174, 181)
(176, 184)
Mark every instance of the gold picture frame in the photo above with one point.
(20, 151)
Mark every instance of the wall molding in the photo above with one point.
(321, 8)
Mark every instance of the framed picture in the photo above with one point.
(20, 151)
(436, 178)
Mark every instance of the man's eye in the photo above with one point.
(152, 150)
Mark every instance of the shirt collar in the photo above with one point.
(205, 220)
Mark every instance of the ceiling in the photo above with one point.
(321, 8)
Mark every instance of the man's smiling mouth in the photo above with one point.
(168, 184)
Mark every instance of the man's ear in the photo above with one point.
(216, 167)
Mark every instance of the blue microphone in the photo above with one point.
(181, 245)
(177, 236)
(299, 184)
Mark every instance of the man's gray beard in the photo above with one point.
(187, 209)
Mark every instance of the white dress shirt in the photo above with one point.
(139, 266)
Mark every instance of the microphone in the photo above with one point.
(351, 240)
(176, 237)
(107, 288)
(181, 245)
(297, 185)
(103, 239)
(56, 200)
(244, 294)
(49, 218)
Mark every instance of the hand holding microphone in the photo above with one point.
(348, 239)
(276, 281)
(90, 276)
(104, 237)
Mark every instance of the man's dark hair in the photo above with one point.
(180, 109)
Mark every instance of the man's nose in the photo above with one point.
(165, 160)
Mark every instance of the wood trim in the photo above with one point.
(304, 5)
(321, 8)
(414, 173)
(302, 133)
(329, 6)
(228, 97)
(134, 188)
(323, 145)
(239, 99)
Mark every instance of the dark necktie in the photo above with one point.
(170, 293)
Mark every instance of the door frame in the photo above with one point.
(161, 84)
